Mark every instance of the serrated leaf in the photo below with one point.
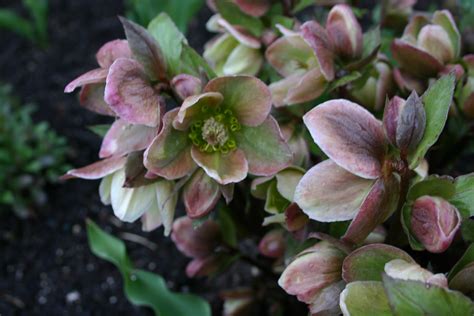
(141, 287)
(437, 100)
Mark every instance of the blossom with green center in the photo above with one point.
(226, 130)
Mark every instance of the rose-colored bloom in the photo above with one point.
(305, 61)
(434, 222)
(352, 183)
(344, 32)
(426, 46)
(405, 121)
(93, 82)
(198, 243)
(313, 274)
(273, 244)
(401, 269)
(235, 51)
(227, 131)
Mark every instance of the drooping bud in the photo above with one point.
(405, 121)
(238, 302)
(434, 222)
(404, 270)
(186, 85)
(312, 271)
(273, 244)
(345, 32)
(195, 242)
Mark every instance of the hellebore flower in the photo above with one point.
(344, 32)
(401, 269)
(273, 244)
(298, 145)
(93, 82)
(356, 183)
(305, 61)
(314, 276)
(255, 8)
(235, 51)
(227, 131)
(434, 222)
(198, 243)
(372, 91)
(404, 122)
(426, 46)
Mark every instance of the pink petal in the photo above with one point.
(248, 97)
(111, 51)
(130, 94)
(240, 34)
(255, 8)
(94, 76)
(377, 207)
(350, 135)
(264, 147)
(169, 153)
(225, 169)
(186, 85)
(192, 107)
(328, 193)
(196, 242)
(200, 194)
(203, 266)
(415, 61)
(123, 138)
(98, 169)
(92, 98)
(310, 86)
(316, 36)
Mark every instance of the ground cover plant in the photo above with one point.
(300, 146)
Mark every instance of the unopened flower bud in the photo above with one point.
(434, 222)
(238, 302)
(186, 85)
(273, 244)
(405, 121)
(345, 32)
(195, 242)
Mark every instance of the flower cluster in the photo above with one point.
(319, 130)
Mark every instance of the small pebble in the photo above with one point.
(72, 297)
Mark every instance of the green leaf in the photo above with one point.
(228, 228)
(363, 298)
(437, 100)
(466, 259)
(192, 63)
(99, 129)
(141, 287)
(434, 186)
(232, 13)
(275, 203)
(371, 45)
(302, 4)
(181, 12)
(463, 197)
(406, 224)
(170, 39)
(368, 262)
(15, 23)
(39, 11)
(467, 230)
(416, 298)
(344, 80)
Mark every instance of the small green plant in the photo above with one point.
(35, 28)
(31, 155)
(143, 11)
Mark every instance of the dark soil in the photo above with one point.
(46, 267)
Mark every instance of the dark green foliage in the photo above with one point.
(35, 28)
(31, 156)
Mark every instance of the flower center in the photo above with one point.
(214, 132)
